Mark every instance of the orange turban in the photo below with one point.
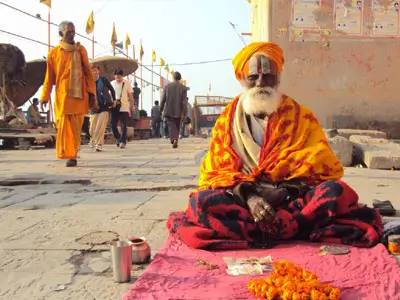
(271, 50)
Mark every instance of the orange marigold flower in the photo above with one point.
(335, 294)
(289, 281)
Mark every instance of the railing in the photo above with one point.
(206, 110)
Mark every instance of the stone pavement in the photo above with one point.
(55, 220)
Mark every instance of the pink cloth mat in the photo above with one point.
(370, 274)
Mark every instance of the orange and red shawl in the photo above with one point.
(294, 146)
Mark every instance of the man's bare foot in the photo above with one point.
(71, 163)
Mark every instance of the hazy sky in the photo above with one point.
(180, 31)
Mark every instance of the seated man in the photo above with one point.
(270, 173)
(34, 113)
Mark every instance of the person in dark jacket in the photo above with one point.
(156, 120)
(173, 107)
(99, 118)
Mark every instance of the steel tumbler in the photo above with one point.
(121, 255)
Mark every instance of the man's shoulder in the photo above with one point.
(54, 51)
(82, 48)
(302, 107)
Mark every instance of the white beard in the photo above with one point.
(257, 101)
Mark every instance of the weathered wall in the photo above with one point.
(347, 81)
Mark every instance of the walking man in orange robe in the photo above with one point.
(69, 70)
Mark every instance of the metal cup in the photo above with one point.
(121, 256)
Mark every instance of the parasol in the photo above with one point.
(12, 60)
(107, 65)
(26, 84)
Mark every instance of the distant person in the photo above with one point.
(20, 118)
(173, 107)
(136, 97)
(123, 107)
(69, 70)
(34, 116)
(156, 120)
(184, 130)
(105, 95)
(136, 93)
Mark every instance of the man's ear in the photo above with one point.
(244, 83)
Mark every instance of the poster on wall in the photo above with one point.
(349, 15)
(303, 13)
(386, 19)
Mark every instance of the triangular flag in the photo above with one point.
(162, 62)
(46, 2)
(141, 53)
(153, 56)
(114, 38)
(90, 24)
(167, 68)
(127, 41)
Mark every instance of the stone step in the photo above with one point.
(343, 149)
(378, 153)
(371, 133)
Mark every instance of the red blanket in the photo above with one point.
(329, 213)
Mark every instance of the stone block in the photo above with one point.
(330, 133)
(368, 140)
(378, 153)
(371, 133)
(343, 149)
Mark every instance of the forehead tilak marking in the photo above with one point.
(259, 64)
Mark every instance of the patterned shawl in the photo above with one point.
(294, 147)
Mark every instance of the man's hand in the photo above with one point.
(43, 106)
(92, 102)
(260, 210)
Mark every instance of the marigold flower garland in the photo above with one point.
(290, 282)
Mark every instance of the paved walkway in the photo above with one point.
(54, 219)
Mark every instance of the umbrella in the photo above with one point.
(107, 65)
(26, 84)
(12, 60)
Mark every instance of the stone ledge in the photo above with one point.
(377, 153)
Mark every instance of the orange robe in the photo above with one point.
(294, 147)
(69, 112)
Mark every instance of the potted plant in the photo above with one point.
(144, 121)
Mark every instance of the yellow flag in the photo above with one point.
(167, 68)
(153, 56)
(46, 2)
(141, 52)
(114, 38)
(127, 41)
(90, 24)
(162, 62)
(172, 72)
